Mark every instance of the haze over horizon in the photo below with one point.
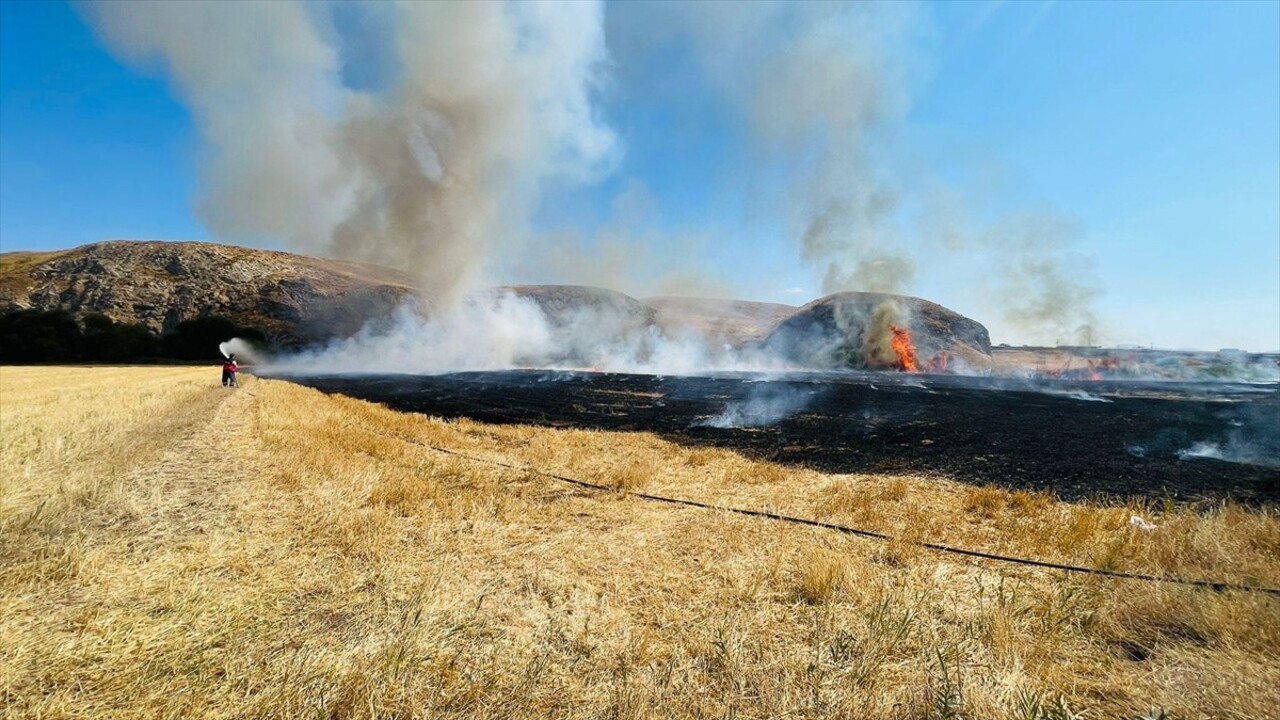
(1041, 167)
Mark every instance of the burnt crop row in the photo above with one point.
(1186, 441)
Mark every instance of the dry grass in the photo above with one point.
(821, 576)
(172, 549)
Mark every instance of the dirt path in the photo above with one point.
(185, 489)
(88, 460)
(116, 514)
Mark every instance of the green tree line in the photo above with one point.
(43, 336)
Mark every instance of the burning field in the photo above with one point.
(849, 383)
(496, 455)
(1078, 439)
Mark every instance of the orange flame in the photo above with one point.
(905, 348)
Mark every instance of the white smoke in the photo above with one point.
(491, 102)
(481, 333)
(820, 84)
(500, 330)
(1233, 451)
(487, 105)
(244, 351)
(764, 405)
(1251, 440)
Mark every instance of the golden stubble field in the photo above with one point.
(170, 548)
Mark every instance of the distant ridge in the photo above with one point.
(298, 300)
(294, 299)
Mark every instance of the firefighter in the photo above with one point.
(229, 369)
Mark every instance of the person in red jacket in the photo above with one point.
(229, 369)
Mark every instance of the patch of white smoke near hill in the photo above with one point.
(498, 329)
(825, 91)
(489, 102)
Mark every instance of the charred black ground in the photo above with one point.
(1080, 440)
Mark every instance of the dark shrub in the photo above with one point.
(198, 338)
(105, 340)
(39, 336)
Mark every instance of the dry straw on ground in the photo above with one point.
(169, 548)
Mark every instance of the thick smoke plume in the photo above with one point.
(489, 102)
(437, 165)
(819, 84)
(825, 89)
(500, 329)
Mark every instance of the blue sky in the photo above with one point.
(1153, 128)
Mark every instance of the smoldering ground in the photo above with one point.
(765, 404)
(979, 430)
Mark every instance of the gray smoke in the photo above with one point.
(850, 239)
(824, 87)
(491, 101)
(1046, 300)
(877, 340)
(1037, 284)
(438, 169)
(820, 84)
(765, 405)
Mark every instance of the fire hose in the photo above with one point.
(858, 532)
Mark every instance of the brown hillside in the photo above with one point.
(296, 299)
(833, 332)
(730, 322)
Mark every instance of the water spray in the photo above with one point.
(242, 349)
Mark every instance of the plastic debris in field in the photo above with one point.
(1141, 524)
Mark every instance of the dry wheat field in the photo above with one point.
(170, 548)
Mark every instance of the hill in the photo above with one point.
(856, 329)
(729, 322)
(294, 299)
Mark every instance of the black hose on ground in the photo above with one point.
(937, 547)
